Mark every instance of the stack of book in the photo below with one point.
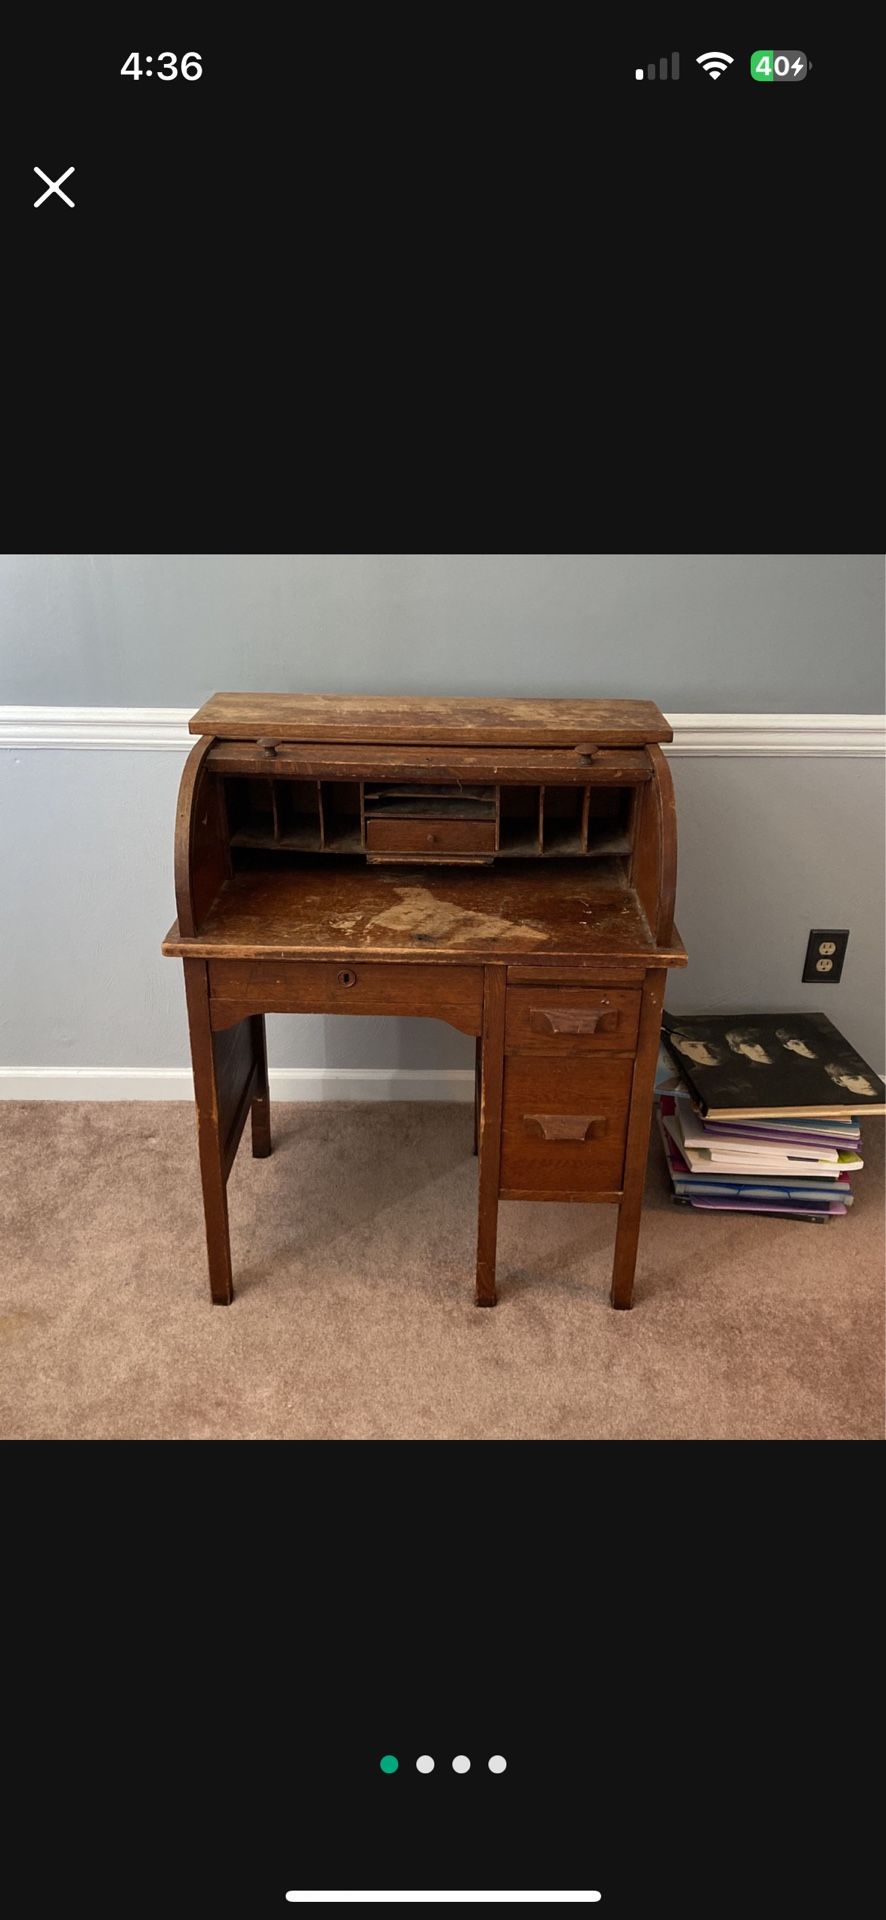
(760, 1113)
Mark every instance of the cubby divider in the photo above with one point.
(298, 813)
(562, 821)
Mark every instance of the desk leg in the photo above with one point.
(491, 1082)
(261, 1103)
(478, 1068)
(209, 1138)
(637, 1145)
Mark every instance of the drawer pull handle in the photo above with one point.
(564, 1126)
(346, 978)
(586, 753)
(268, 747)
(571, 1020)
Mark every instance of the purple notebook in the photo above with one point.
(722, 1129)
(827, 1209)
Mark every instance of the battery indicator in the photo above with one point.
(779, 64)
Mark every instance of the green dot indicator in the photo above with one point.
(389, 1763)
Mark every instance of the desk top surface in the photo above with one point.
(345, 908)
(444, 722)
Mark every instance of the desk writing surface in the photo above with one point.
(461, 721)
(502, 912)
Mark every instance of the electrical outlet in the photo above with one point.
(825, 953)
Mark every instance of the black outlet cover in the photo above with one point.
(825, 943)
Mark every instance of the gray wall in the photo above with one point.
(767, 850)
(710, 633)
(768, 847)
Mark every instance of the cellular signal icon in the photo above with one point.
(650, 71)
(714, 63)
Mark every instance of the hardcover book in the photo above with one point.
(769, 1064)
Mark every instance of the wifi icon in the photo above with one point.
(714, 63)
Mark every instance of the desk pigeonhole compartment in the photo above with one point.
(285, 802)
(251, 812)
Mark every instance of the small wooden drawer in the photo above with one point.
(574, 1019)
(238, 987)
(430, 836)
(564, 1127)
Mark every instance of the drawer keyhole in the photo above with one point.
(346, 978)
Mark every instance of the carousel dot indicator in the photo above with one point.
(424, 1763)
(461, 1763)
(498, 1763)
(389, 1763)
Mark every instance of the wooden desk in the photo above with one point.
(507, 866)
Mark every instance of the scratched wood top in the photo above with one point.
(346, 909)
(465, 722)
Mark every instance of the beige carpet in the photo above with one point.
(353, 1255)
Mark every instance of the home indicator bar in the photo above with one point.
(329, 1898)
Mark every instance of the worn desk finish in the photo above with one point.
(506, 866)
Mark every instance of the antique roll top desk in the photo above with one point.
(505, 865)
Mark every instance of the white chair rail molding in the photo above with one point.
(158, 729)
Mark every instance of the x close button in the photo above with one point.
(53, 186)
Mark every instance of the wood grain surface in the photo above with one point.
(615, 767)
(453, 994)
(571, 1020)
(595, 1093)
(347, 908)
(316, 716)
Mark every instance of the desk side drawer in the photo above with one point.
(430, 836)
(453, 994)
(564, 1126)
(571, 1019)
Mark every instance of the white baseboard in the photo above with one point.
(287, 1083)
(165, 729)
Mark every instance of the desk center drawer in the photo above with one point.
(453, 994)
